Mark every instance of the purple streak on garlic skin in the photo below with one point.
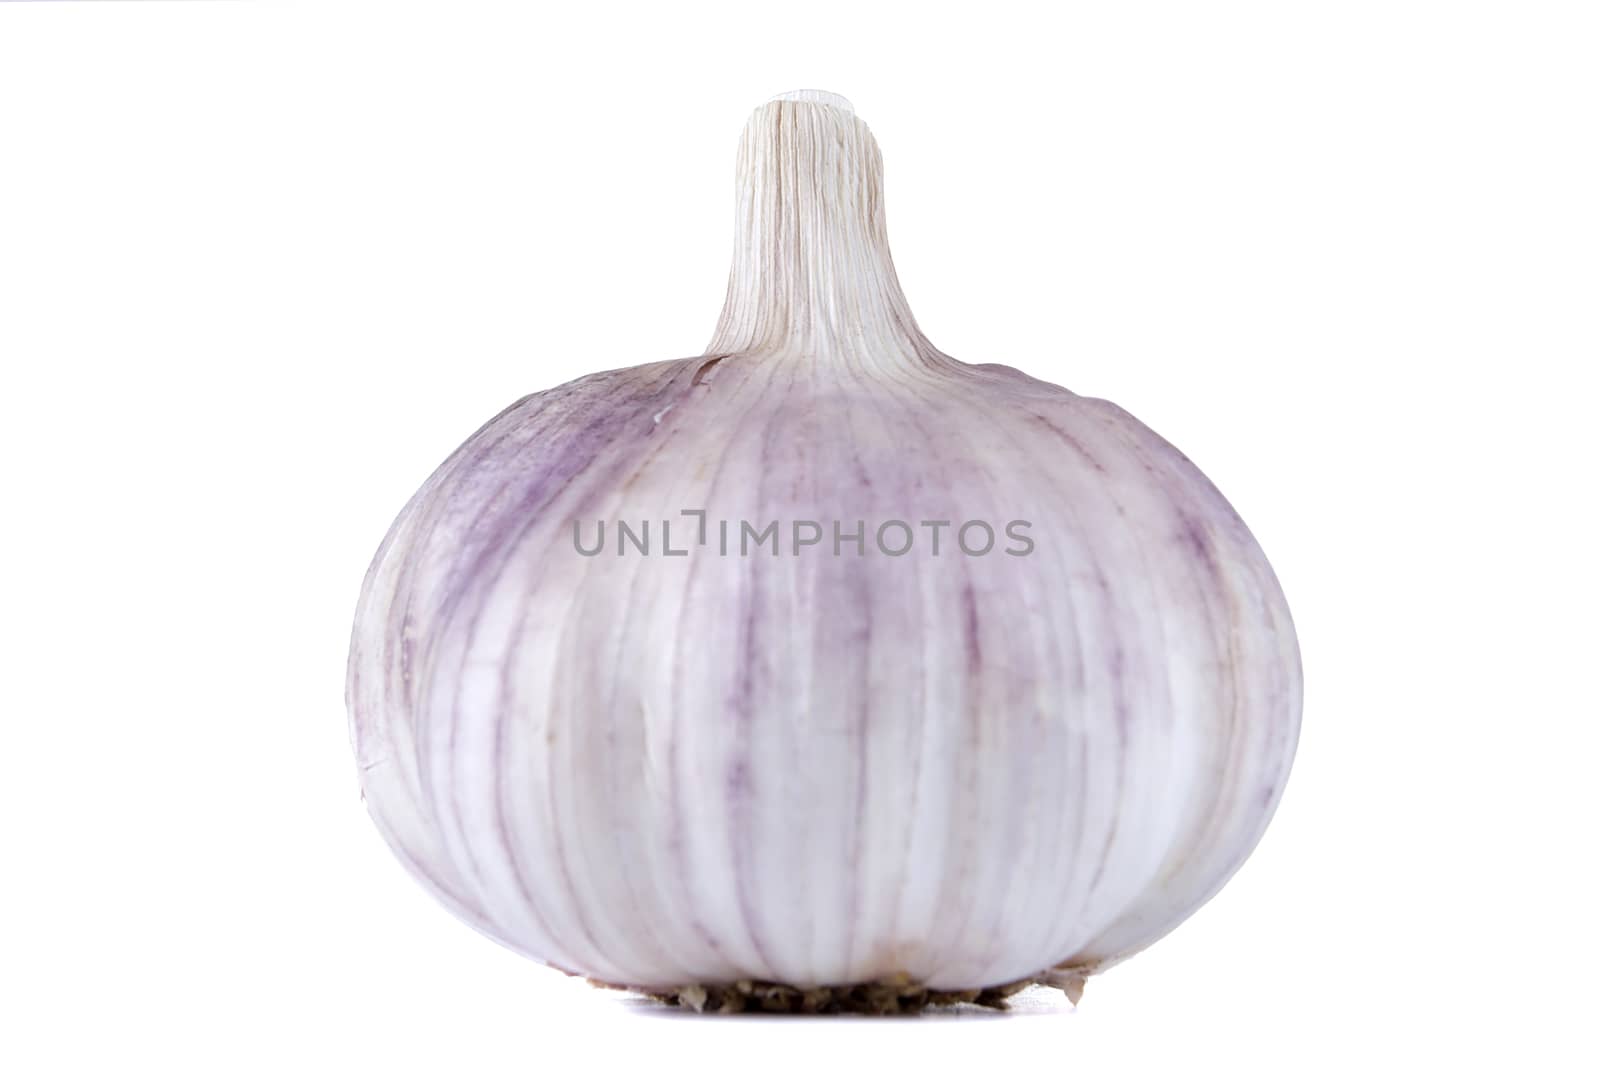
(813, 769)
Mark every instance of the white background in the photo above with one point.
(262, 265)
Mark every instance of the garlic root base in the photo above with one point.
(895, 996)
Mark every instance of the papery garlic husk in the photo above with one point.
(835, 765)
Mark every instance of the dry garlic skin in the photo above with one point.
(822, 659)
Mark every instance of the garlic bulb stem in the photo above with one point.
(816, 96)
(811, 266)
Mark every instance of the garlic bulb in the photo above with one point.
(822, 668)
